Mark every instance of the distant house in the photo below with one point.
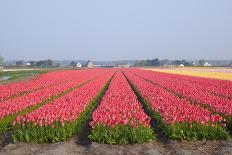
(78, 65)
(206, 64)
(193, 63)
(28, 64)
(125, 65)
(90, 64)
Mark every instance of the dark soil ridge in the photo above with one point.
(151, 148)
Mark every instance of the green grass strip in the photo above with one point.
(121, 134)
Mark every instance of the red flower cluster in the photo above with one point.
(41, 81)
(215, 93)
(11, 106)
(170, 107)
(68, 107)
(119, 105)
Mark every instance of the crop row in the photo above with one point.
(41, 81)
(61, 118)
(194, 91)
(119, 118)
(116, 103)
(9, 109)
(220, 74)
(220, 88)
(178, 118)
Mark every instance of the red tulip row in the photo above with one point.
(174, 110)
(68, 107)
(12, 106)
(41, 81)
(118, 107)
(61, 114)
(171, 108)
(188, 87)
(217, 87)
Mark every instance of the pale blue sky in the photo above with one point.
(119, 29)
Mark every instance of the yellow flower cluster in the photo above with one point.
(200, 73)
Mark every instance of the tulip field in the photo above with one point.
(118, 104)
(216, 73)
(119, 117)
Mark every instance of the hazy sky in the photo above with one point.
(116, 29)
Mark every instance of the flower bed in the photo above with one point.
(58, 120)
(177, 117)
(119, 118)
(11, 108)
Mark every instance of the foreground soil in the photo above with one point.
(74, 146)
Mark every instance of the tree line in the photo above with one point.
(157, 62)
(40, 64)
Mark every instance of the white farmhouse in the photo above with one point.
(28, 64)
(207, 64)
(78, 65)
(90, 64)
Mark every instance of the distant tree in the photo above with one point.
(155, 62)
(33, 63)
(44, 63)
(201, 62)
(142, 63)
(1, 64)
(86, 65)
(57, 65)
(164, 62)
(19, 63)
(1, 60)
(177, 62)
(73, 64)
(135, 64)
(185, 63)
(39, 63)
(48, 63)
(230, 64)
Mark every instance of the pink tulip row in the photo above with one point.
(11, 106)
(68, 107)
(200, 91)
(41, 81)
(222, 88)
(170, 107)
(120, 106)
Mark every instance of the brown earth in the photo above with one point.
(75, 146)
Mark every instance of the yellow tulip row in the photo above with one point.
(207, 74)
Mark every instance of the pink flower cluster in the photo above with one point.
(68, 107)
(119, 105)
(215, 93)
(171, 108)
(12, 106)
(40, 81)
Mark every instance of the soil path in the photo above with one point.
(153, 148)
